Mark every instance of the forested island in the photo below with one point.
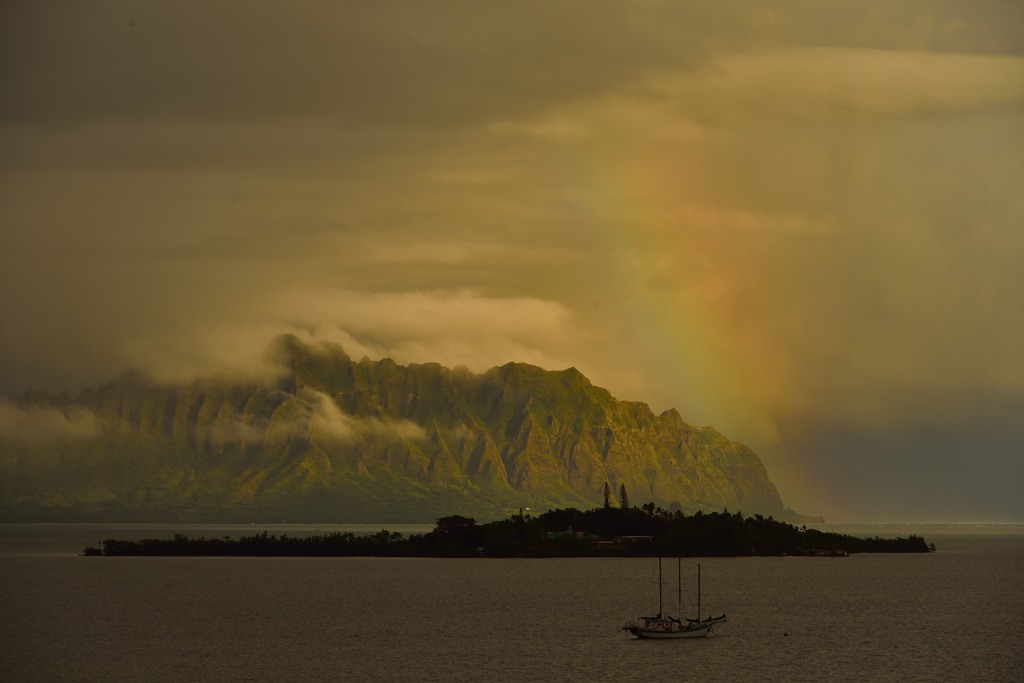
(647, 531)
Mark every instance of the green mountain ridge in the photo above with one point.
(337, 440)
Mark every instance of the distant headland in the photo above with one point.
(365, 441)
(601, 532)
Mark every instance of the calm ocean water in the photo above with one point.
(955, 615)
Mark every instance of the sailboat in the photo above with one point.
(664, 626)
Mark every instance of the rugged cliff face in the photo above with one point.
(343, 441)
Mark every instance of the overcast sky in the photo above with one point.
(799, 222)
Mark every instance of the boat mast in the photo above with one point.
(679, 587)
(698, 591)
(659, 587)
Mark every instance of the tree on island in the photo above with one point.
(623, 498)
(607, 496)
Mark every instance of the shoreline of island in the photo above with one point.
(601, 532)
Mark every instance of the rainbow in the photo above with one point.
(692, 295)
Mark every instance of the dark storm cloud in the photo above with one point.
(415, 63)
(408, 63)
(958, 458)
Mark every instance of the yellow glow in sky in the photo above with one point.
(799, 223)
